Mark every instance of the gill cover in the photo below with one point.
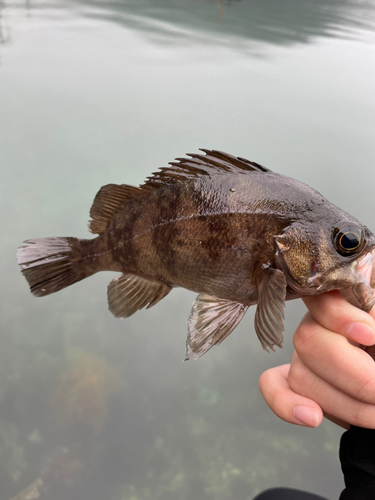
(297, 257)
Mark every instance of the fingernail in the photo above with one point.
(361, 333)
(306, 415)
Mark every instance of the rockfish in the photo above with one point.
(225, 227)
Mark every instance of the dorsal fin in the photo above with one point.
(108, 202)
(111, 198)
(213, 162)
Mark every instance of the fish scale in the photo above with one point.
(222, 226)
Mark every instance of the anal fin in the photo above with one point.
(128, 293)
(269, 316)
(211, 320)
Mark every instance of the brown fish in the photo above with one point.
(225, 227)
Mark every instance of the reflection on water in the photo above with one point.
(261, 20)
(2, 34)
(97, 92)
(287, 22)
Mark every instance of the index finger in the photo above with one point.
(333, 312)
(330, 356)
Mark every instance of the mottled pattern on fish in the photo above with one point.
(226, 228)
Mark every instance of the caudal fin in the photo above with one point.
(51, 264)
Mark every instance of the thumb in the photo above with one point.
(286, 404)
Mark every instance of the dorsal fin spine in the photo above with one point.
(211, 163)
(111, 198)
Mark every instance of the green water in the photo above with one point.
(93, 93)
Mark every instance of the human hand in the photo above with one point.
(328, 374)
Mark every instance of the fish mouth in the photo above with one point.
(365, 269)
(362, 294)
(372, 275)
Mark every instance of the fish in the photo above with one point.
(227, 228)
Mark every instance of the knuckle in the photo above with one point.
(304, 336)
(366, 392)
(297, 377)
(364, 416)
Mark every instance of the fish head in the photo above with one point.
(337, 255)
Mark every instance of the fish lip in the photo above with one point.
(371, 275)
(365, 268)
(363, 273)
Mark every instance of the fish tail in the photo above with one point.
(51, 264)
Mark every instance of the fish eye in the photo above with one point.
(348, 239)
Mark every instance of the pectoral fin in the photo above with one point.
(128, 293)
(269, 316)
(211, 320)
